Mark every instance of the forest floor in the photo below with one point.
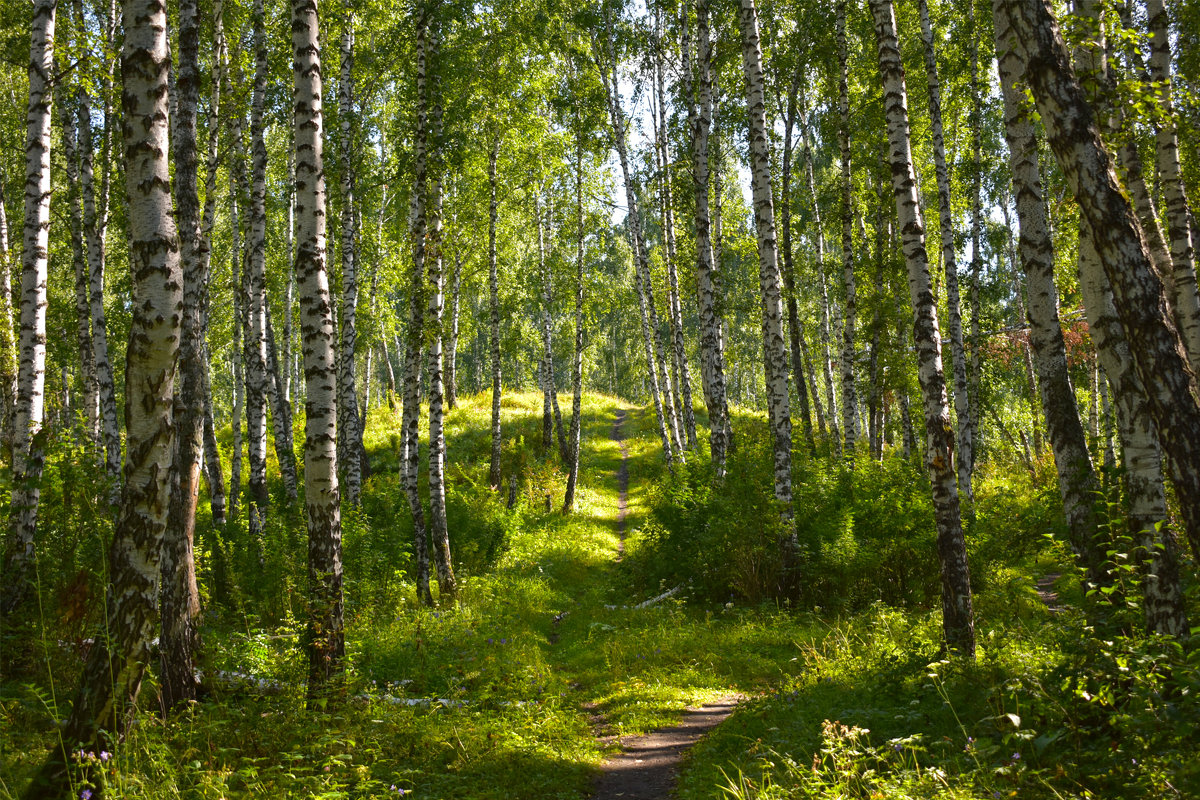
(552, 660)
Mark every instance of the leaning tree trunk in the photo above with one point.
(1179, 227)
(546, 373)
(255, 295)
(28, 441)
(674, 310)
(576, 363)
(349, 431)
(108, 689)
(774, 346)
(1077, 480)
(180, 597)
(494, 317)
(850, 421)
(958, 623)
(1138, 292)
(712, 361)
(1157, 554)
(325, 633)
(660, 384)
(962, 403)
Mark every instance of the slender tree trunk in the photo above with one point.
(774, 346)
(1179, 227)
(494, 319)
(962, 402)
(712, 360)
(967, 457)
(212, 456)
(874, 398)
(112, 676)
(1022, 317)
(349, 431)
(289, 293)
(28, 440)
(577, 363)
(235, 457)
(850, 420)
(8, 342)
(90, 401)
(95, 223)
(411, 413)
(789, 272)
(255, 296)
(281, 410)
(439, 532)
(674, 310)
(819, 243)
(325, 634)
(660, 385)
(1138, 292)
(958, 623)
(546, 372)
(1077, 480)
(452, 343)
(180, 597)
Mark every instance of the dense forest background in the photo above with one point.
(334, 337)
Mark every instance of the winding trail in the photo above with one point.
(647, 766)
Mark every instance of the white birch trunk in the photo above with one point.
(28, 446)
(958, 623)
(774, 346)
(962, 403)
(349, 432)
(850, 420)
(325, 634)
(494, 317)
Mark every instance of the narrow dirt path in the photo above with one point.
(622, 482)
(647, 766)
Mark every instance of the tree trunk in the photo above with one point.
(28, 441)
(411, 412)
(1138, 292)
(546, 371)
(962, 402)
(8, 342)
(112, 676)
(795, 331)
(281, 410)
(850, 421)
(494, 320)
(966, 458)
(577, 363)
(660, 385)
(180, 596)
(1157, 554)
(674, 310)
(1179, 228)
(452, 343)
(325, 636)
(712, 361)
(1077, 480)
(349, 430)
(819, 243)
(774, 347)
(254, 294)
(1022, 317)
(958, 624)
(439, 533)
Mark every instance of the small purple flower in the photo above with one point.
(105, 755)
(996, 795)
(86, 794)
(489, 640)
(504, 641)
(1015, 757)
(897, 747)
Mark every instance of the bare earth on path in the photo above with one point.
(647, 766)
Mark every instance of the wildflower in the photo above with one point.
(489, 640)
(1015, 757)
(86, 794)
(897, 747)
(996, 795)
(504, 641)
(105, 755)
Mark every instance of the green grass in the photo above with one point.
(530, 702)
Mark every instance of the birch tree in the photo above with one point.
(850, 421)
(324, 634)
(349, 432)
(28, 449)
(958, 622)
